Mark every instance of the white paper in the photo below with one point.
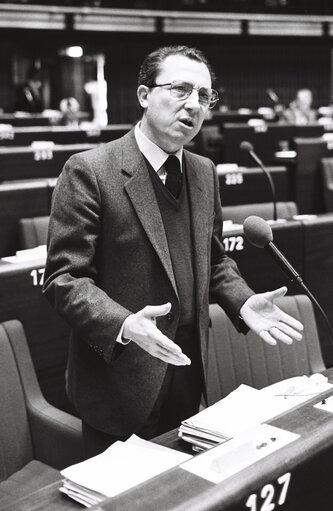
(227, 459)
(31, 254)
(246, 406)
(325, 404)
(123, 465)
(241, 409)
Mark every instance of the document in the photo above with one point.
(247, 407)
(120, 467)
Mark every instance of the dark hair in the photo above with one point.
(152, 63)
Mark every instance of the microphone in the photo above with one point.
(248, 147)
(273, 96)
(259, 233)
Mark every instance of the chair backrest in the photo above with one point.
(33, 231)
(15, 436)
(265, 210)
(327, 182)
(234, 359)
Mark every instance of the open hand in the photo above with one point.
(266, 319)
(141, 328)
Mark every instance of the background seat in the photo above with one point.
(233, 358)
(265, 210)
(33, 231)
(36, 438)
(327, 181)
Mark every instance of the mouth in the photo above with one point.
(185, 121)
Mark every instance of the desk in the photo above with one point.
(18, 163)
(307, 243)
(266, 140)
(256, 266)
(250, 185)
(309, 460)
(308, 186)
(65, 134)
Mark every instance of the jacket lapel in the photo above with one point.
(199, 217)
(141, 193)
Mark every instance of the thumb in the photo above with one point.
(277, 293)
(153, 311)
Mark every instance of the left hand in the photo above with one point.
(268, 321)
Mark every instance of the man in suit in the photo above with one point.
(135, 253)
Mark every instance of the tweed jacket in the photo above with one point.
(108, 257)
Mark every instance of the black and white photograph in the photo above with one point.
(166, 255)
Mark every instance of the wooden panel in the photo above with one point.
(250, 185)
(23, 136)
(308, 186)
(318, 272)
(266, 140)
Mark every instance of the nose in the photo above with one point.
(192, 102)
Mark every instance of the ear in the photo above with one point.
(142, 94)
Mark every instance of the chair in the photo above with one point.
(36, 439)
(233, 358)
(327, 182)
(33, 231)
(265, 210)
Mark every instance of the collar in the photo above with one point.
(154, 154)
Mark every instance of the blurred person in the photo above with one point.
(29, 95)
(300, 111)
(70, 108)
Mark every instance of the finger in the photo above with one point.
(153, 311)
(291, 321)
(176, 356)
(276, 293)
(294, 334)
(170, 358)
(277, 334)
(266, 336)
(165, 343)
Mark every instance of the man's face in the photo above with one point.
(304, 99)
(168, 121)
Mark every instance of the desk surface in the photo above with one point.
(309, 460)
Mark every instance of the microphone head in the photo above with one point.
(257, 231)
(272, 95)
(246, 146)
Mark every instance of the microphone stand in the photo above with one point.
(322, 313)
(269, 177)
(295, 277)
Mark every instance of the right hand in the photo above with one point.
(141, 328)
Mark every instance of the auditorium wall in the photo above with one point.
(245, 66)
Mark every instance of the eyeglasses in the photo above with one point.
(182, 90)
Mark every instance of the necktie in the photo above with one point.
(173, 180)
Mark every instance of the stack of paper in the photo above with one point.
(120, 467)
(247, 407)
(30, 254)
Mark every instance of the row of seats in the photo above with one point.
(306, 243)
(31, 198)
(33, 231)
(37, 439)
